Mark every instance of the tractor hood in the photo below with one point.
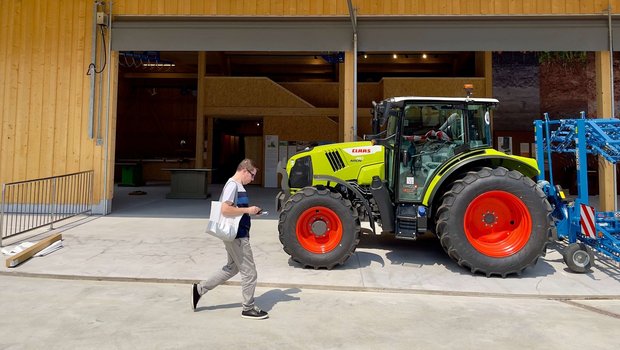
(348, 161)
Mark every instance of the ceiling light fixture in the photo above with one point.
(394, 56)
(365, 55)
(424, 56)
(158, 64)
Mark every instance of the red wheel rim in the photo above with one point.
(497, 224)
(319, 230)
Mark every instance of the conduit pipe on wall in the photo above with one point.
(353, 15)
(106, 138)
(93, 55)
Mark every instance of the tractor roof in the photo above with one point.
(441, 99)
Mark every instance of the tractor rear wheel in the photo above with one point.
(318, 228)
(494, 221)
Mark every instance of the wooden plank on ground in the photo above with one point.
(30, 252)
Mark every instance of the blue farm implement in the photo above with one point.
(584, 228)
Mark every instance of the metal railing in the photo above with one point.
(27, 205)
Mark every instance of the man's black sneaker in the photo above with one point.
(255, 313)
(195, 296)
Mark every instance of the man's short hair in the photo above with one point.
(247, 164)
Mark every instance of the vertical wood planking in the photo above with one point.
(223, 7)
(276, 7)
(5, 33)
(23, 45)
(35, 117)
(10, 91)
(365, 7)
(78, 75)
(515, 7)
(62, 96)
(48, 116)
(543, 6)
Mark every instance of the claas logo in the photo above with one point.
(358, 151)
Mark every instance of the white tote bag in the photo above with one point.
(220, 226)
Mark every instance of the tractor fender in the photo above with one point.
(475, 159)
(357, 193)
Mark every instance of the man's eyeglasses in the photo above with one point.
(252, 173)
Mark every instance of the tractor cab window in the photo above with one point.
(425, 136)
(390, 144)
(479, 124)
(430, 134)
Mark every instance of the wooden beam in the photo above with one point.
(210, 144)
(349, 103)
(160, 75)
(200, 115)
(345, 98)
(270, 112)
(31, 251)
(604, 102)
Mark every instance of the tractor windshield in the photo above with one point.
(426, 135)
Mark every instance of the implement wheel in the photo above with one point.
(318, 228)
(494, 221)
(578, 257)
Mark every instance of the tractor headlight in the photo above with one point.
(301, 173)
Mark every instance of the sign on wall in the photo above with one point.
(271, 160)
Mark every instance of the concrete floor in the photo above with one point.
(122, 281)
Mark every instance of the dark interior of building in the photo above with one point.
(156, 112)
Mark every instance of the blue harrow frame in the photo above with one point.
(577, 222)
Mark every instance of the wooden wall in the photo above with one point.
(276, 103)
(432, 87)
(45, 49)
(365, 7)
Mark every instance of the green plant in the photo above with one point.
(564, 58)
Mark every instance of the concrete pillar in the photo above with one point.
(346, 103)
(604, 103)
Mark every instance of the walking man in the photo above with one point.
(240, 259)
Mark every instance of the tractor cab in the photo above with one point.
(422, 134)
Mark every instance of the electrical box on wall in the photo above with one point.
(102, 18)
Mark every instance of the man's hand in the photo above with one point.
(253, 210)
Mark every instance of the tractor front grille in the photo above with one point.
(335, 160)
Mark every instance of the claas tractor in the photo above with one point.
(428, 166)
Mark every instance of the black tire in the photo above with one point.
(578, 257)
(318, 228)
(494, 221)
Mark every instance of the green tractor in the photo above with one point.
(429, 166)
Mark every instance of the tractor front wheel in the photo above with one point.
(318, 228)
(494, 221)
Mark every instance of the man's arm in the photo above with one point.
(228, 209)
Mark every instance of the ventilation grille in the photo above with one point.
(335, 160)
